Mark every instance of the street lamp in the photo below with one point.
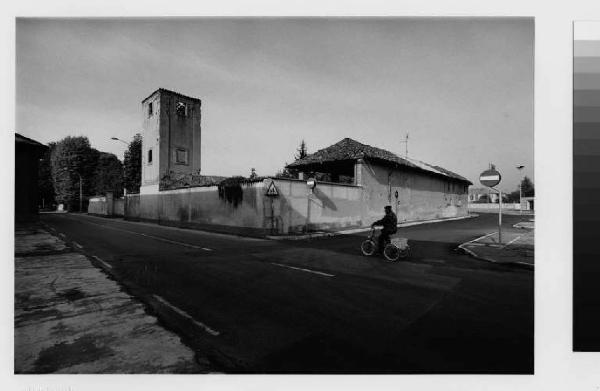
(520, 192)
(118, 139)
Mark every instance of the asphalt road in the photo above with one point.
(317, 306)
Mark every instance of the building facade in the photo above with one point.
(27, 155)
(355, 182)
(170, 137)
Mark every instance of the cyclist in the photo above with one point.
(390, 226)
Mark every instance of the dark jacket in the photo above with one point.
(389, 223)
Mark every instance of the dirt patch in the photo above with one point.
(72, 294)
(63, 355)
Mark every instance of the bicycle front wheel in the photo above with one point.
(367, 247)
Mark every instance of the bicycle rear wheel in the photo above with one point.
(391, 253)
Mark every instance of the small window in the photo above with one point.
(181, 156)
(150, 111)
(181, 109)
(149, 156)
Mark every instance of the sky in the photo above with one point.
(462, 88)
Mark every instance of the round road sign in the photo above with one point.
(490, 178)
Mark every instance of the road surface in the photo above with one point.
(317, 306)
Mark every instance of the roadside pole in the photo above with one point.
(500, 217)
(272, 193)
(491, 178)
(80, 194)
(311, 183)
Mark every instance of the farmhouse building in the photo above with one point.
(354, 182)
(416, 190)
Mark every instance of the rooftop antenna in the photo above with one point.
(405, 142)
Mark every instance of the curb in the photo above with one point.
(360, 230)
(470, 252)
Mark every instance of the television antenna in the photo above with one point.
(405, 142)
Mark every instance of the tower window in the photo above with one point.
(181, 109)
(181, 156)
(150, 111)
(149, 156)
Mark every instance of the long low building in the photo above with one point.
(415, 190)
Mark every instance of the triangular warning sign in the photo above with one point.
(272, 190)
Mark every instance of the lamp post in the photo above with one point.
(118, 139)
(520, 191)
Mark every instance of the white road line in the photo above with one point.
(304, 270)
(482, 237)
(102, 262)
(79, 246)
(154, 237)
(512, 241)
(185, 315)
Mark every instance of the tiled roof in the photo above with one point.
(349, 149)
(172, 93)
(26, 140)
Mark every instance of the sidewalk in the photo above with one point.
(71, 318)
(517, 246)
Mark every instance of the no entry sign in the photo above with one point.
(490, 178)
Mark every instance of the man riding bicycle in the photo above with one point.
(390, 226)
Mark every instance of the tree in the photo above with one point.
(45, 181)
(513, 196)
(73, 160)
(108, 175)
(527, 189)
(133, 165)
(253, 173)
(302, 152)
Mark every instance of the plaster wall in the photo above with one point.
(420, 196)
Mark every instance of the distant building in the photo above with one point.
(416, 190)
(170, 137)
(27, 156)
(477, 193)
(527, 203)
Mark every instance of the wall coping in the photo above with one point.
(319, 182)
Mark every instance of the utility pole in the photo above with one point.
(520, 190)
(80, 193)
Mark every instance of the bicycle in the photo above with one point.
(395, 248)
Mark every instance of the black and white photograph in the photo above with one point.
(274, 195)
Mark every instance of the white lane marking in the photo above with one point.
(304, 270)
(185, 315)
(79, 246)
(482, 237)
(512, 241)
(102, 262)
(154, 237)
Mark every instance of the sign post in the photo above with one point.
(311, 183)
(272, 193)
(491, 178)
